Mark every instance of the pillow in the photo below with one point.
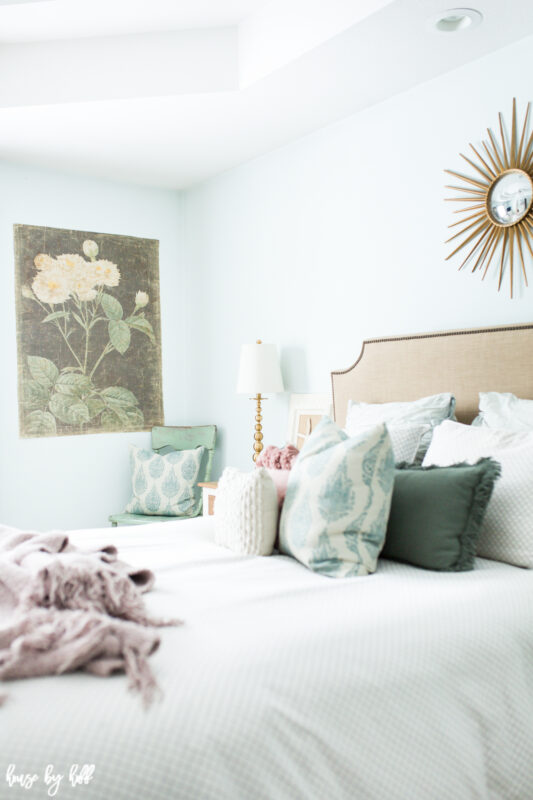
(406, 440)
(504, 410)
(246, 511)
(507, 530)
(338, 497)
(165, 485)
(430, 411)
(436, 514)
(273, 457)
(281, 480)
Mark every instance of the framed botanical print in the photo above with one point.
(88, 332)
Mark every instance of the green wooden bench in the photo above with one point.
(167, 438)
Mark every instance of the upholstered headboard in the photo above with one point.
(463, 362)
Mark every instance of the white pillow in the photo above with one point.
(507, 530)
(504, 410)
(428, 411)
(246, 511)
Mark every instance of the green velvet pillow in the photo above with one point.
(436, 514)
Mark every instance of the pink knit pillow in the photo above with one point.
(274, 458)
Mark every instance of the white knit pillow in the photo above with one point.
(507, 530)
(246, 511)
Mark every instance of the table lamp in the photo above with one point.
(259, 373)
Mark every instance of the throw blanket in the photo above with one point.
(63, 609)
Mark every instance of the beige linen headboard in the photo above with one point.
(463, 362)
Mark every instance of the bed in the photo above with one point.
(403, 685)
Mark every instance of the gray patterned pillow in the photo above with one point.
(165, 485)
(430, 411)
(335, 513)
(406, 439)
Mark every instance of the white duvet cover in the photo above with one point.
(403, 685)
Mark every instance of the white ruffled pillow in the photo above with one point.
(246, 511)
(507, 530)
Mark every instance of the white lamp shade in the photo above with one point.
(259, 370)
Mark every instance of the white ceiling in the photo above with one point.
(174, 108)
(27, 21)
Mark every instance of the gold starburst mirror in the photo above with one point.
(497, 203)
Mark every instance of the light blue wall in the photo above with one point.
(77, 481)
(335, 238)
(339, 237)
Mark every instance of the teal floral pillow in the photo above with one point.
(165, 485)
(336, 509)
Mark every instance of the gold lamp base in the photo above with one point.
(258, 436)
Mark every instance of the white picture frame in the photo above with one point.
(309, 406)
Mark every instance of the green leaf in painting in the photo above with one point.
(73, 383)
(120, 335)
(142, 324)
(95, 405)
(119, 396)
(135, 417)
(43, 370)
(111, 306)
(118, 418)
(78, 319)
(40, 423)
(35, 395)
(69, 409)
(111, 421)
(122, 414)
(55, 315)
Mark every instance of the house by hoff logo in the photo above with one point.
(78, 775)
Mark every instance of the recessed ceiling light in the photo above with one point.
(454, 20)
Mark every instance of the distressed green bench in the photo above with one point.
(167, 438)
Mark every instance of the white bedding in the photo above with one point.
(403, 685)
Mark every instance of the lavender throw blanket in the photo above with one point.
(63, 609)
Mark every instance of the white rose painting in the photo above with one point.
(88, 325)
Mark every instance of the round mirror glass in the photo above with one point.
(510, 197)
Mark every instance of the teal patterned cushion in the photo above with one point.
(165, 485)
(335, 513)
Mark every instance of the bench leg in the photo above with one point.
(114, 524)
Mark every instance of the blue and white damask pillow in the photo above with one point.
(165, 485)
(336, 509)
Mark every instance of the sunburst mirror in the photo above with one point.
(497, 204)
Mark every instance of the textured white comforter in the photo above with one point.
(404, 685)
